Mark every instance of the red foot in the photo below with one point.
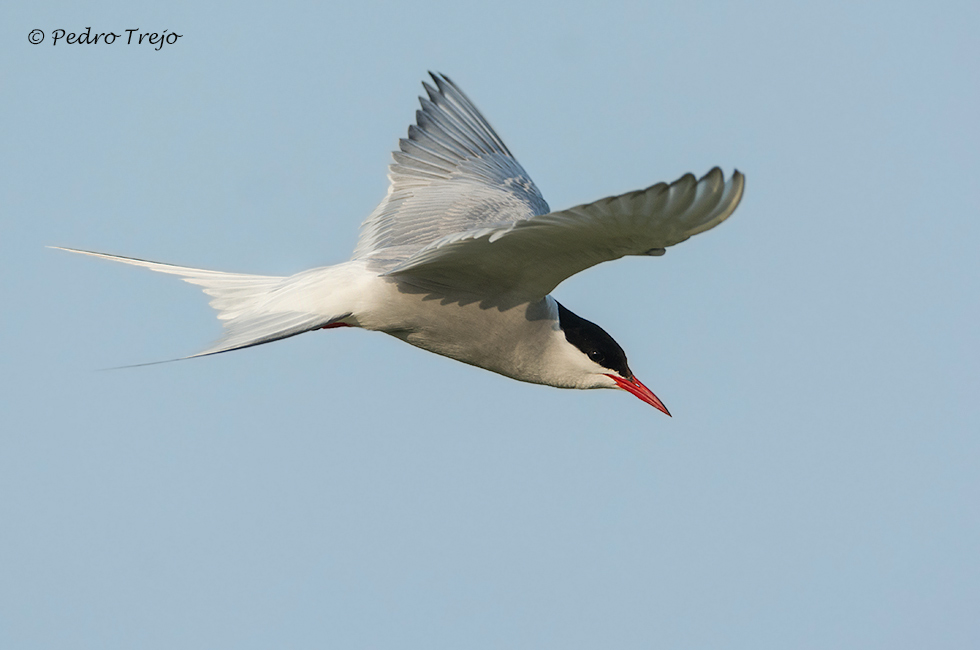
(333, 325)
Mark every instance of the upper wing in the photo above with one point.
(453, 173)
(528, 259)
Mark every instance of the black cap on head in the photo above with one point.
(593, 341)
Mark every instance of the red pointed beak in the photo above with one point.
(634, 386)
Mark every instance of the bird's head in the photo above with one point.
(605, 361)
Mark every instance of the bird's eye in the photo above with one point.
(596, 356)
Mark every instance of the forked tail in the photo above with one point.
(254, 309)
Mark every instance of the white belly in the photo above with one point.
(510, 341)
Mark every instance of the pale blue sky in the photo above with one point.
(818, 486)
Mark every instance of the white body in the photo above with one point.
(523, 341)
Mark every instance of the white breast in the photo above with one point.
(517, 342)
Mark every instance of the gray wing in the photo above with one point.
(526, 260)
(452, 174)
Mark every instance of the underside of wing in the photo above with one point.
(453, 173)
(528, 259)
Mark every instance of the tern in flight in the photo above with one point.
(461, 255)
